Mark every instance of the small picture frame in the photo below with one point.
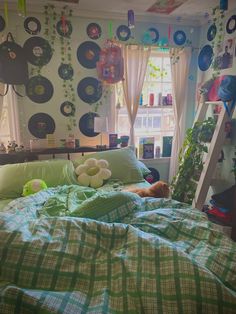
(148, 151)
(113, 140)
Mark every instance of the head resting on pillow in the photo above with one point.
(159, 189)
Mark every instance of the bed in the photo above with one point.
(73, 249)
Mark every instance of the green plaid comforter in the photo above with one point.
(145, 256)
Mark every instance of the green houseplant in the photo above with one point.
(191, 162)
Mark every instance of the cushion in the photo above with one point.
(144, 169)
(123, 164)
(53, 172)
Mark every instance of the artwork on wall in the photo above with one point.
(65, 71)
(39, 89)
(225, 54)
(88, 54)
(211, 33)
(64, 28)
(41, 124)
(205, 58)
(89, 90)
(94, 31)
(86, 124)
(231, 24)
(165, 7)
(38, 51)
(32, 25)
(67, 109)
(151, 36)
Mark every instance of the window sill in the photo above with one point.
(154, 160)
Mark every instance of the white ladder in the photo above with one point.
(214, 150)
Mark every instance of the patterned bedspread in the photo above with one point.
(143, 256)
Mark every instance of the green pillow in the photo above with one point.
(123, 164)
(53, 172)
(144, 169)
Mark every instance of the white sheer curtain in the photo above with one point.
(135, 65)
(180, 60)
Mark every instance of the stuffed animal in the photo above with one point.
(159, 189)
(33, 186)
(93, 172)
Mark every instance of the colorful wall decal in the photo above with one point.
(2, 23)
(205, 58)
(38, 51)
(211, 33)
(65, 71)
(32, 25)
(64, 31)
(67, 109)
(225, 53)
(231, 24)
(86, 124)
(179, 38)
(94, 31)
(89, 90)
(39, 89)
(88, 54)
(41, 124)
(165, 7)
(123, 32)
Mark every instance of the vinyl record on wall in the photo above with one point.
(67, 31)
(38, 51)
(179, 38)
(153, 176)
(67, 109)
(205, 58)
(65, 71)
(32, 25)
(88, 54)
(123, 32)
(41, 124)
(2, 23)
(89, 90)
(211, 33)
(231, 24)
(94, 31)
(86, 124)
(39, 89)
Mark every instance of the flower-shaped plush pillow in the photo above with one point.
(92, 172)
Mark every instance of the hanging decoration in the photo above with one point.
(110, 67)
(22, 7)
(6, 11)
(131, 22)
(110, 30)
(223, 5)
(2, 23)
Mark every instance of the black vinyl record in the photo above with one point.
(41, 124)
(39, 89)
(65, 71)
(211, 33)
(205, 58)
(179, 37)
(32, 25)
(88, 54)
(67, 109)
(123, 32)
(38, 51)
(2, 23)
(152, 177)
(64, 32)
(89, 90)
(94, 31)
(86, 124)
(231, 24)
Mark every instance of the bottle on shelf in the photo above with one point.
(151, 99)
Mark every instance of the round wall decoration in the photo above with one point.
(32, 25)
(67, 109)
(39, 89)
(153, 176)
(231, 24)
(123, 32)
(2, 23)
(38, 51)
(64, 31)
(88, 54)
(41, 124)
(86, 124)
(154, 34)
(89, 90)
(179, 37)
(205, 58)
(211, 33)
(65, 71)
(94, 31)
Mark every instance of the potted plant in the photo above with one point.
(191, 162)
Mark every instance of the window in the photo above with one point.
(4, 122)
(155, 117)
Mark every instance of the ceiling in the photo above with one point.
(194, 11)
